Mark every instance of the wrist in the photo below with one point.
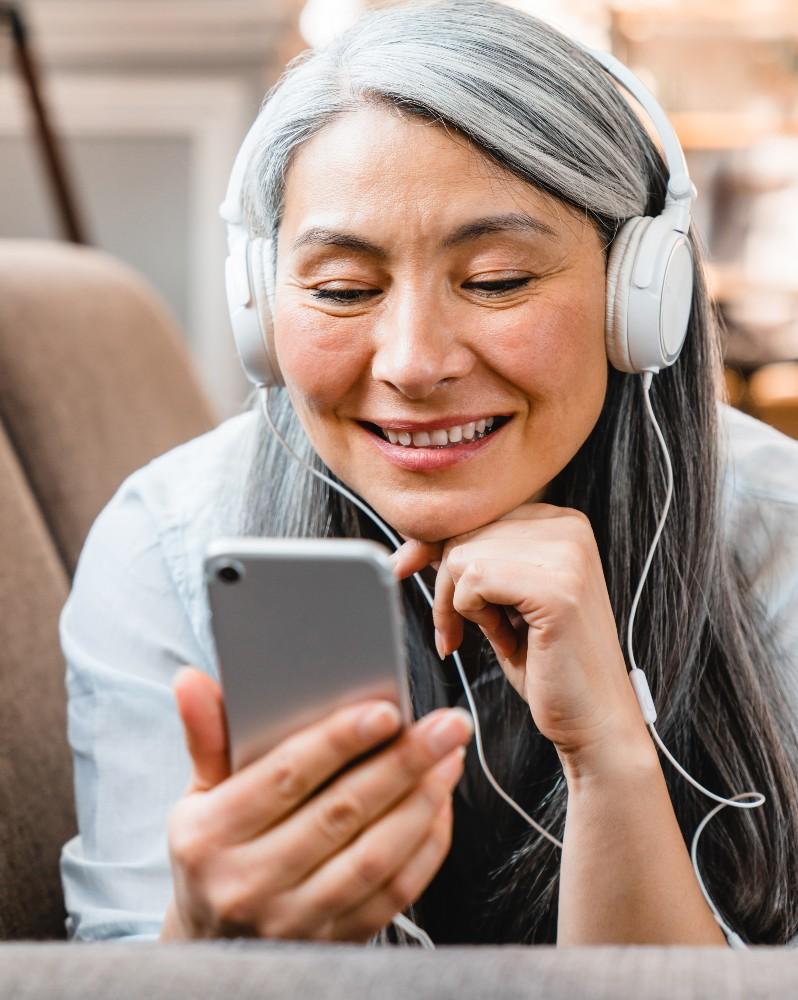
(624, 756)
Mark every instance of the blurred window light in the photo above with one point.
(585, 20)
(321, 20)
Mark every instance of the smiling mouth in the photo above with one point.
(439, 440)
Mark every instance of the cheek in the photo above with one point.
(554, 350)
(321, 359)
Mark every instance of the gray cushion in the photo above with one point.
(244, 969)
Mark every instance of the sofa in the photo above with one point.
(95, 380)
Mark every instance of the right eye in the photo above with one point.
(343, 295)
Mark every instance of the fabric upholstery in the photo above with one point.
(94, 379)
(36, 811)
(245, 970)
(94, 382)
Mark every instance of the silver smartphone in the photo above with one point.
(301, 627)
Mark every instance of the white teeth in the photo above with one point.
(440, 438)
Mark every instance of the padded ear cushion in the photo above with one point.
(620, 266)
(263, 290)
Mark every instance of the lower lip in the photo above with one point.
(431, 459)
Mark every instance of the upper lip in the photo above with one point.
(441, 423)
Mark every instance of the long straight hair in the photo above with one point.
(535, 103)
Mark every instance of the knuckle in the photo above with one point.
(342, 740)
(233, 909)
(581, 529)
(440, 606)
(474, 573)
(580, 518)
(371, 869)
(287, 780)
(340, 818)
(401, 892)
(454, 557)
(188, 848)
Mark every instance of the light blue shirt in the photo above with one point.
(137, 613)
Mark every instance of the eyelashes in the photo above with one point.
(345, 296)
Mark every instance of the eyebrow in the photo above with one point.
(509, 222)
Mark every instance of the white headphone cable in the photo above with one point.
(637, 677)
(640, 684)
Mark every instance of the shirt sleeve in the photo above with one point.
(766, 529)
(124, 633)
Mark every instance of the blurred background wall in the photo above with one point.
(151, 98)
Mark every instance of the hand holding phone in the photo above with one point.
(337, 812)
(279, 850)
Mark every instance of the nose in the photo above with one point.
(418, 347)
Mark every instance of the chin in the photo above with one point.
(428, 522)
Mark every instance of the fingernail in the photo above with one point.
(439, 644)
(454, 729)
(380, 721)
(451, 767)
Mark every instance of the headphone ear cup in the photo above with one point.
(620, 267)
(260, 269)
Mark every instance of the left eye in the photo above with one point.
(349, 295)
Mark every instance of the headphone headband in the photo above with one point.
(681, 191)
(649, 270)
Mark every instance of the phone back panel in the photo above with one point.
(308, 626)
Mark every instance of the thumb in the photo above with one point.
(201, 708)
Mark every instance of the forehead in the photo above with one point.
(378, 162)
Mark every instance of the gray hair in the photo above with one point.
(538, 105)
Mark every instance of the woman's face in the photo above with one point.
(421, 288)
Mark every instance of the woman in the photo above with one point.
(443, 186)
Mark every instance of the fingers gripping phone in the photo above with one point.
(302, 626)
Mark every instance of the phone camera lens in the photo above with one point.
(228, 574)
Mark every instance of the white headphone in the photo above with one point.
(649, 271)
